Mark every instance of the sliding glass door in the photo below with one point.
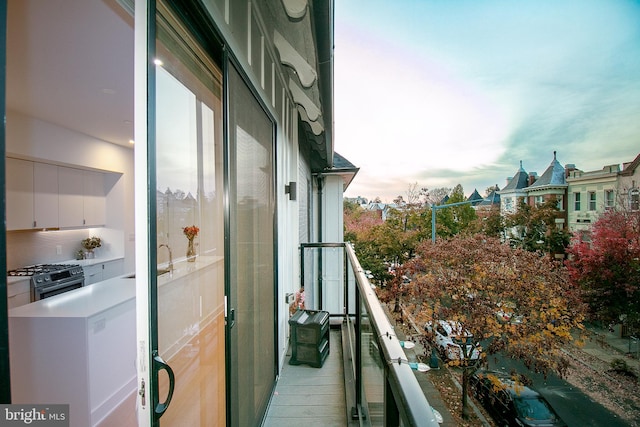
(210, 250)
(186, 241)
(251, 325)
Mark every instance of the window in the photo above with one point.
(592, 200)
(608, 198)
(576, 201)
(538, 200)
(508, 204)
(634, 199)
(560, 202)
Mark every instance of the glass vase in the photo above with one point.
(191, 252)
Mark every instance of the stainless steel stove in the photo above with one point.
(48, 280)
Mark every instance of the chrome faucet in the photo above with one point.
(170, 256)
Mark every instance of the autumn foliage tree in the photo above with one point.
(455, 219)
(535, 228)
(363, 229)
(479, 282)
(607, 268)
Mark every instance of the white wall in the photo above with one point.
(33, 139)
(332, 230)
(332, 203)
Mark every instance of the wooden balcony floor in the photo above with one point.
(309, 397)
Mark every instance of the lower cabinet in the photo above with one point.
(102, 271)
(73, 360)
(18, 293)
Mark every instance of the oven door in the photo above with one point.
(42, 292)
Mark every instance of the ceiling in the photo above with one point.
(70, 62)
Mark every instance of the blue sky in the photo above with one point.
(447, 92)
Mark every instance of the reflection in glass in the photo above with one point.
(190, 299)
(252, 271)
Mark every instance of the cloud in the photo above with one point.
(459, 92)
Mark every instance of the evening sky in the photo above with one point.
(446, 92)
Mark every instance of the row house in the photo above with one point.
(581, 196)
(551, 185)
(592, 193)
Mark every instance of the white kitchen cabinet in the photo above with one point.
(92, 274)
(71, 202)
(45, 195)
(82, 198)
(102, 271)
(70, 356)
(41, 195)
(32, 195)
(18, 292)
(112, 269)
(19, 194)
(95, 203)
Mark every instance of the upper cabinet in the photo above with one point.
(71, 191)
(41, 195)
(32, 195)
(45, 195)
(95, 204)
(19, 181)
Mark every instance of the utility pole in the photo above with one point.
(433, 216)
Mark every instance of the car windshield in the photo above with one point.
(534, 409)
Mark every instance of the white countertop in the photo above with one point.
(93, 299)
(92, 261)
(83, 302)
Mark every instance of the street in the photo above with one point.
(574, 407)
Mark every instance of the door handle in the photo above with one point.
(232, 317)
(158, 365)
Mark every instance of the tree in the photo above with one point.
(472, 279)
(456, 219)
(490, 222)
(535, 228)
(491, 189)
(435, 196)
(607, 267)
(362, 229)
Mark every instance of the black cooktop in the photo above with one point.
(40, 269)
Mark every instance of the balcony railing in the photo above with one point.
(381, 387)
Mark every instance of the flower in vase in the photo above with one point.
(191, 231)
(91, 243)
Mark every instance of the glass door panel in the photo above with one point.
(252, 302)
(189, 207)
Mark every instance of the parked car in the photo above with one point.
(511, 403)
(449, 338)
